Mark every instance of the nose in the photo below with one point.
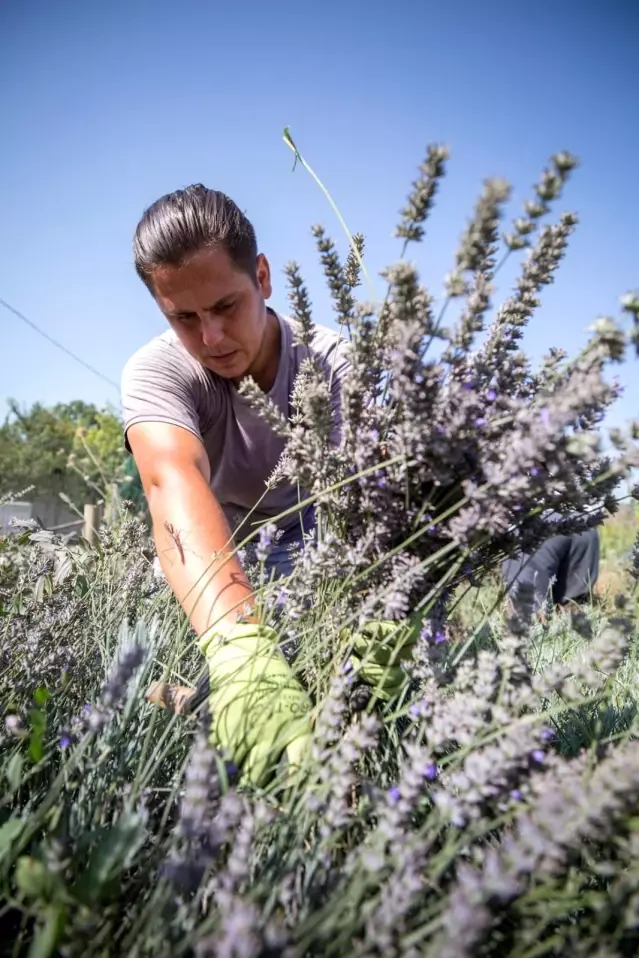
(212, 331)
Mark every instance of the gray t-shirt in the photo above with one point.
(162, 382)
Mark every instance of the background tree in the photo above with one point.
(75, 449)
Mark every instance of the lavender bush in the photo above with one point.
(491, 807)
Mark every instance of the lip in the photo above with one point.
(225, 359)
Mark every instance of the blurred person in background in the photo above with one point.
(563, 570)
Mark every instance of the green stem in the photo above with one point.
(288, 139)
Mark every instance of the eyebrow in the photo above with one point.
(209, 309)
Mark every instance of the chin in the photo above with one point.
(233, 368)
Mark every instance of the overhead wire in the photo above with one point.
(58, 345)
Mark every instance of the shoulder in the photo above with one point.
(163, 364)
(163, 352)
(162, 382)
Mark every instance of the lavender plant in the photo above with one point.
(454, 452)
(116, 839)
(490, 807)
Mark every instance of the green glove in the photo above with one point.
(259, 711)
(379, 648)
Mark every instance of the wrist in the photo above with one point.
(236, 629)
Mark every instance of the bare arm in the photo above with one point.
(192, 536)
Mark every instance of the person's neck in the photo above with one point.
(264, 369)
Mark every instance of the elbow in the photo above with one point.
(172, 483)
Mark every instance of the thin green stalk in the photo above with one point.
(288, 139)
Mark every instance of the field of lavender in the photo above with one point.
(488, 804)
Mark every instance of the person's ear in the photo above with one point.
(263, 271)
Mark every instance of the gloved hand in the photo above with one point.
(379, 648)
(259, 711)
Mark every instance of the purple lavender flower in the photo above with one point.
(130, 660)
(13, 724)
(394, 794)
(201, 784)
(420, 709)
(97, 719)
(538, 755)
(267, 534)
(65, 741)
(491, 395)
(346, 667)
(430, 772)
(437, 637)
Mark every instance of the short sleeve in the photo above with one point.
(160, 384)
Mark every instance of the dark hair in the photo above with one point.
(189, 220)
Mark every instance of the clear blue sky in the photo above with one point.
(106, 106)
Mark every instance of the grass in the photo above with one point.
(92, 857)
(617, 538)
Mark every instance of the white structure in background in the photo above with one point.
(22, 512)
(51, 514)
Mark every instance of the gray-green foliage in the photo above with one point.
(489, 809)
(493, 815)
